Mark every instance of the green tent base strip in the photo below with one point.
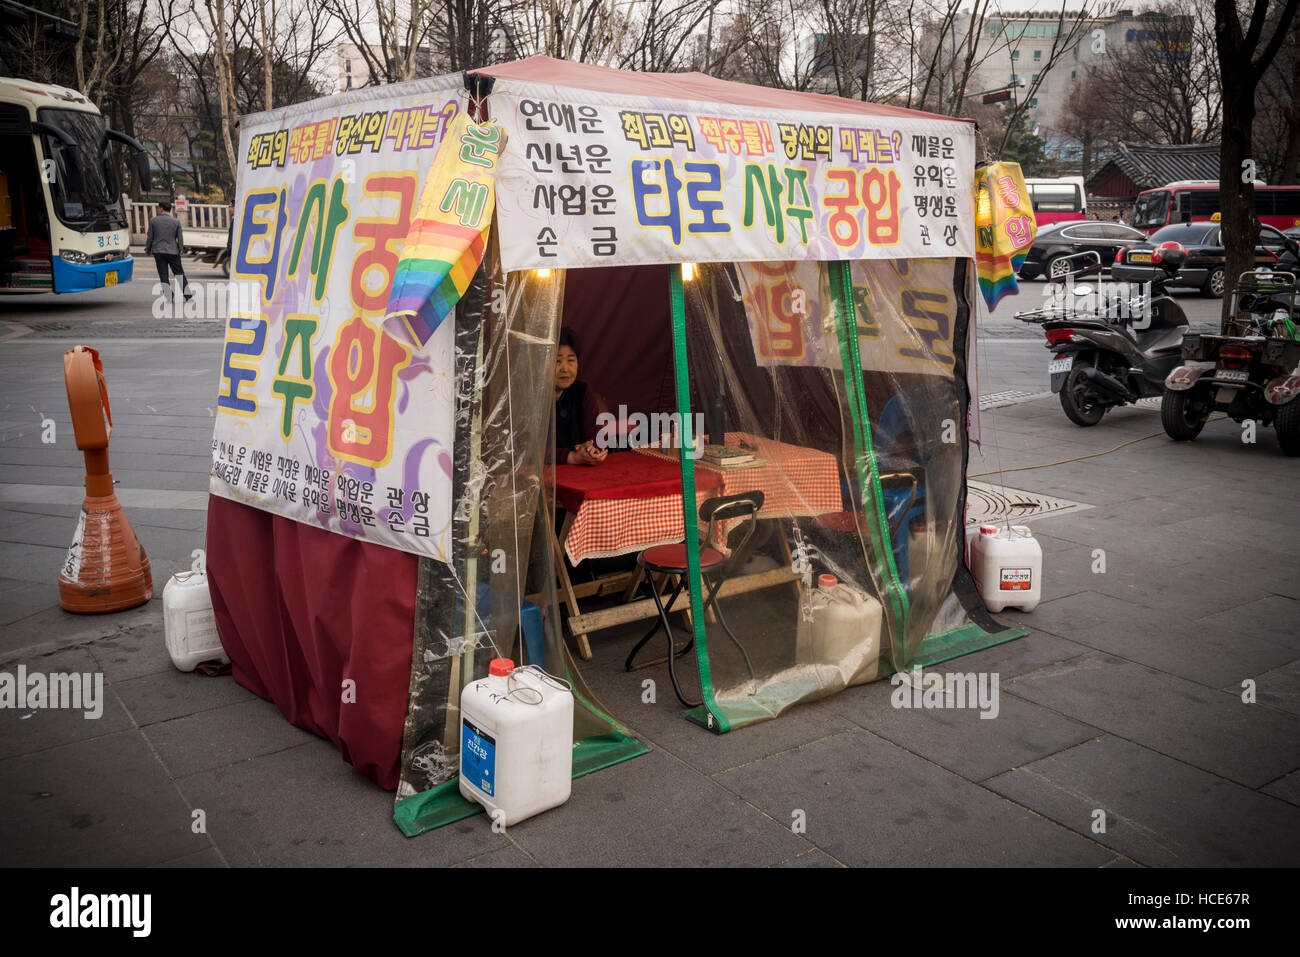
(444, 804)
(936, 649)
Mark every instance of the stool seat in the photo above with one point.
(672, 558)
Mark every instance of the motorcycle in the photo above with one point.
(1252, 371)
(1115, 355)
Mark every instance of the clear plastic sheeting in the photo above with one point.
(873, 500)
(506, 328)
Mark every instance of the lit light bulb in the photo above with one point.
(542, 273)
(688, 272)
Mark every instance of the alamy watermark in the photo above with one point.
(1126, 301)
(931, 689)
(64, 690)
(658, 430)
(206, 300)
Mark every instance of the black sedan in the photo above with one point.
(1057, 240)
(1205, 257)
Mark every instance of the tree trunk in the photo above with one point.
(1236, 189)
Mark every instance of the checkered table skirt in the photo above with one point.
(794, 481)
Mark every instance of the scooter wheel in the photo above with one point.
(1287, 424)
(1183, 415)
(1080, 406)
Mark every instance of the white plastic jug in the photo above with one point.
(516, 742)
(189, 625)
(844, 632)
(1008, 567)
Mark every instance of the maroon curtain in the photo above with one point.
(301, 610)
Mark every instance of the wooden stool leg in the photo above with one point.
(566, 586)
(632, 584)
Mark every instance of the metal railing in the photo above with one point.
(214, 217)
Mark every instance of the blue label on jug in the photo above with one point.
(478, 757)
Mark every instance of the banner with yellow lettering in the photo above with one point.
(322, 417)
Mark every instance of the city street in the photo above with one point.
(1159, 685)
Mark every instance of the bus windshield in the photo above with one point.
(1151, 210)
(91, 205)
(1057, 198)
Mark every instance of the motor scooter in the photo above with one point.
(1116, 348)
(1252, 371)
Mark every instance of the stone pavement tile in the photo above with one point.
(28, 730)
(1205, 728)
(1274, 617)
(208, 857)
(1020, 656)
(1121, 862)
(870, 803)
(170, 544)
(1208, 655)
(654, 811)
(223, 736)
(1286, 788)
(39, 473)
(1262, 567)
(188, 519)
(33, 563)
(958, 739)
(1071, 614)
(135, 651)
(508, 856)
(1278, 689)
(48, 530)
(1193, 588)
(19, 600)
(304, 807)
(661, 724)
(193, 481)
(813, 858)
(54, 629)
(1159, 812)
(172, 694)
(67, 511)
(105, 802)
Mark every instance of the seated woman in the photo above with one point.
(576, 408)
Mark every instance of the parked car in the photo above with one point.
(1055, 241)
(1205, 257)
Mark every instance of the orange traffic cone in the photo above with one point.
(106, 568)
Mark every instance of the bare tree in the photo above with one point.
(1092, 116)
(1169, 78)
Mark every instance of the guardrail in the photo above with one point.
(212, 217)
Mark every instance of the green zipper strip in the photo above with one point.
(841, 281)
(720, 724)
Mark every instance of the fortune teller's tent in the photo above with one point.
(382, 502)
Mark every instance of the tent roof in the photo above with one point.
(689, 86)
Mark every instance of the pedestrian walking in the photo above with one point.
(166, 241)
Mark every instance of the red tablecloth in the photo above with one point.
(625, 475)
(793, 479)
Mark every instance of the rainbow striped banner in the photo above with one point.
(448, 232)
(1004, 228)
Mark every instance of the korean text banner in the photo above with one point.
(906, 311)
(593, 179)
(321, 416)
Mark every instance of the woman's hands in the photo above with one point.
(587, 454)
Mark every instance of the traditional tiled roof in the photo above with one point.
(1149, 166)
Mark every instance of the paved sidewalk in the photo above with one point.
(1126, 697)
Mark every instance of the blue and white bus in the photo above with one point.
(62, 225)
